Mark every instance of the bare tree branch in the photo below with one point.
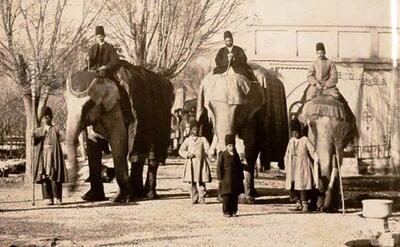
(164, 35)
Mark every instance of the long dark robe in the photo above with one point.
(238, 63)
(103, 55)
(49, 159)
(230, 173)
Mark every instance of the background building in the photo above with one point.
(281, 35)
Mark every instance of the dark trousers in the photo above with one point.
(51, 189)
(299, 195)
(230, 203)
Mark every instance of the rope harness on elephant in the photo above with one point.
(79, 94)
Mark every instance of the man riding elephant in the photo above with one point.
(104, 59)
(322, 78)
(333, 127)
(102, 55)
(232, 56)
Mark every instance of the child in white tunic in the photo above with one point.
(196, 169)
(299, 158)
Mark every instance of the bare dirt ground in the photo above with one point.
(173, 221)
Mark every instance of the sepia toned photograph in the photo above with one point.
(199, 123)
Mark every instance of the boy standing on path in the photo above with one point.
(196, 170)
(301, 160)
(230, 175)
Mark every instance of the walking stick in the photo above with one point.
(340, 179)
(33, 90)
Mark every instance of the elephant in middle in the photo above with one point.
(94, 101)
(246, 109)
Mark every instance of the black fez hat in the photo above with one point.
(230, 139)
(228, 34)
(193, 123)
(320, 46)
(46, 112)
(100, 30)
(295, 125)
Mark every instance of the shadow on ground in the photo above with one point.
(360, 188)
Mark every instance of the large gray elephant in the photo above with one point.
(93, 101)
(237, 106)
(331, 131)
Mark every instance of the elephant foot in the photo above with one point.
(122, 197)
(152, 196)
(243, 199)
(138, 193)
(254, 193)
(92, 196)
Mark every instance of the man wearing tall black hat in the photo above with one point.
(322, 79)
(232, 56)
(322, 75)
(102, 55)
(103, 58)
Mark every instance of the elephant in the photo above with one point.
(332, 130)
(237, 106)
(144, 134)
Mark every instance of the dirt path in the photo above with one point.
(173, 221)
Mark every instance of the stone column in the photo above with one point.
(395, 104)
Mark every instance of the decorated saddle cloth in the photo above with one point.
(231, 88)
(329, 106)
(329, 103)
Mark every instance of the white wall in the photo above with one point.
(322, 12)
(287, 30)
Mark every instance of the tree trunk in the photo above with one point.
(28, 138)
(29, 133)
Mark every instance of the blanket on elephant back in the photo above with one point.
(275, 110)
(326, 105)
(152, 98)
(231, 88)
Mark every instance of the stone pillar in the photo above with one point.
(395, 104)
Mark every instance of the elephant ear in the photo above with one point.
(255, 100)
(105, 92)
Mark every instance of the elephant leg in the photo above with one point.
(136, 178)
(251, 158)
(320, 200)
(281, 164)
(313, 198)
(96, 192)
(332, 196)
(151, 180)
(121, 173)
(264, 160)
(248, 172)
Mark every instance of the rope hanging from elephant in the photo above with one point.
(79, 94)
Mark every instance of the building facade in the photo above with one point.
(281, 35)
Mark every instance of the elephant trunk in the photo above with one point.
(325, 150)
(73, 131)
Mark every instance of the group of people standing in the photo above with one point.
(180, 127)
(301, 159)
(197, 172)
